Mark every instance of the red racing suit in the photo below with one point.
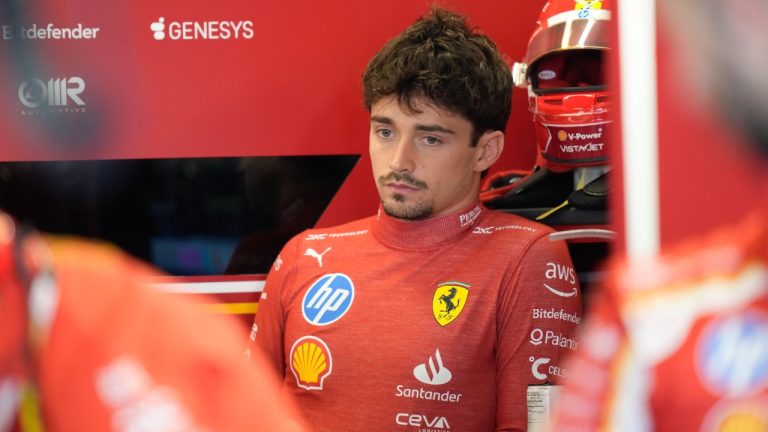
(100, 350)
(679, 343)
(435, 325)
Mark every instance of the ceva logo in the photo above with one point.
(194, 30)
(420, 420)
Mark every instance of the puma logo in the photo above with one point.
(318, 256)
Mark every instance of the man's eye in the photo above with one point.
(384, 133)
(432, 140)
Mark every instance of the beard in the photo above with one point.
(398, 206)
(400, 209)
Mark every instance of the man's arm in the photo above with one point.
(268, 329)
(539, 308)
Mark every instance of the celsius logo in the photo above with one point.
(434, 375)
(35, 93)
(535, 367)
(194, 30)
(536, 364)
(328, 299)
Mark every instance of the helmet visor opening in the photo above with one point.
(568, 71)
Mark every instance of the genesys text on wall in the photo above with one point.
(167, 29)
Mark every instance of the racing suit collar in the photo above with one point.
(428, 233)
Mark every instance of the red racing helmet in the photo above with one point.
(563, 70)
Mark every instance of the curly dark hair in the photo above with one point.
(455, 67)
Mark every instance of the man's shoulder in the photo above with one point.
(356, 228)
(507, 224)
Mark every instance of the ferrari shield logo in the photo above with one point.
(449, 301)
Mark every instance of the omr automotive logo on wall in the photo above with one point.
(163, 29)
(54, 96)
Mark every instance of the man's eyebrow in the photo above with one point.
(420, 127)
(381, 119)
(434, 128)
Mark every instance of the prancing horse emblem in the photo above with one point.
(448, 302)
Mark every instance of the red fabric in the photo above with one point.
(123, 356)
(388, 337)
(679, 343)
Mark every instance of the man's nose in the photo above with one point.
(403, 157)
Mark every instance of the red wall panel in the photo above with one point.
(290, 86)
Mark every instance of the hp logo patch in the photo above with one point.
(328, 299)
(732, 355)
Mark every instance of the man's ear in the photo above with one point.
(489, 148)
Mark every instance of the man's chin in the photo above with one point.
(405, 211)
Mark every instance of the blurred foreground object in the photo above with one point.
(85, 344)
(680, 342)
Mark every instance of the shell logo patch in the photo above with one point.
(311, 362)
(449, 301)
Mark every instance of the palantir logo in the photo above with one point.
(328, 299)
(437, 374)
(34, 93)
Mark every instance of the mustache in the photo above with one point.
(403, 178)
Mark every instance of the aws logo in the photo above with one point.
(311, 362)
(449, 301)
(563, 273)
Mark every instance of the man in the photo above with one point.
(680, 343)
(436, 313)
(87, 345)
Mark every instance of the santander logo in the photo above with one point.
(435, 373)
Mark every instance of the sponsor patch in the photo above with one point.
(433, 372)
(328, 299)
(449, 301)
(311, 362)
(732, 354)
(560, 274)
(423, 422)
(539, 336)
(310, 252)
